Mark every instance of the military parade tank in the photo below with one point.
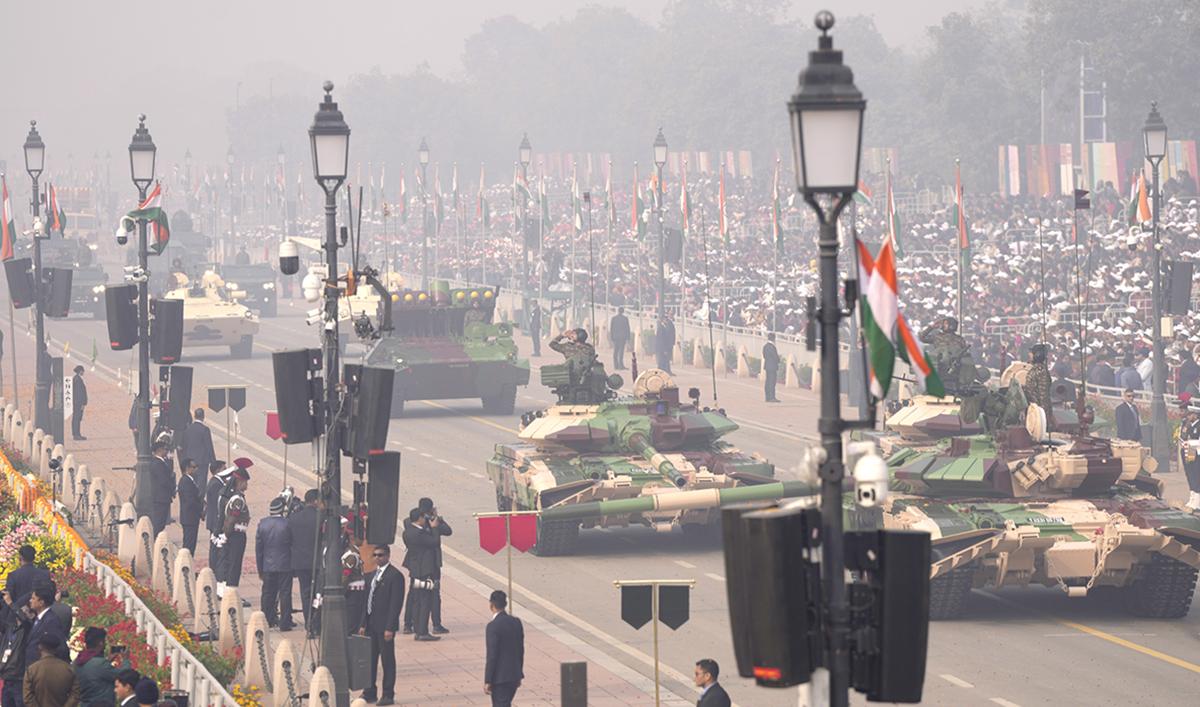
(210, 319)
(445, 344)
(254, 285)
(599, 460)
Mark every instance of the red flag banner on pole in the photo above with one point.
(523, 531)
(273, 430)
(491, 534)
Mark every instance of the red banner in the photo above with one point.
(491, 534)
(523, 531)
(273, 426)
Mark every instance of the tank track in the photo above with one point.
(1164, 591)
(556, 538)
(948, 593)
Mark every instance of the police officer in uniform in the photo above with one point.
(1189, 431)
(353, 582)
(235, 520)
(212, 518)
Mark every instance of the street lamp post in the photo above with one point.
(330, 138)
(141, 166)
(35, 162)
(229, 158)
(423, 158)
(526, 154)
(1155, 135)
(660, 159)
(826, 117)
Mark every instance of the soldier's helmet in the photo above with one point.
(951, 324)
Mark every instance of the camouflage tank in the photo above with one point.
(444, 344)
(598, 460)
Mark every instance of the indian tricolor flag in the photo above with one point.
(893, 221)
(964, 240)
(639, 223)
(887, 333)
(151, 210)
(6, 223)
(722, 219)
(863, 195)
(1139, 205)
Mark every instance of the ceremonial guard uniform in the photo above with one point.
(235, 521)
(354, 585)
(1189, 455)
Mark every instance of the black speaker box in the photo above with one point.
(120, 302)
(1179, 287)
(897, 613)
(19, 274)
(573, 677)
(370, 411)
(770, 575)
(292, 400)
(58, 292)
(180, 397)
(166, 331)
(383, 497)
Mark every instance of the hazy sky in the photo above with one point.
(85, 70)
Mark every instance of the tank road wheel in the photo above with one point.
(1164, 591)
(397, 404)
(503, 403)
(948, 593)
(503, 503)
(244, 348)
(556, 537)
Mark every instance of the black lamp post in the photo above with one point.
(423, 158)
(35, 162)
(1155, 135)
(526, 154)
(826, 116)
(141, 167)
(660, 159)
(330, 138)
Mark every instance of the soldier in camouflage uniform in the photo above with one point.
(1189, 458)
(575, 344)
(947, 352)
(235, 521)
(353, 582)
(1037, 381)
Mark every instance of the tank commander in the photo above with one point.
(1037, 381)
(573, 342)
(948, 351)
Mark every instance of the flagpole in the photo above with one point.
(708, 306)
(962, 325)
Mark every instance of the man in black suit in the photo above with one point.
(78, 402)
(422, 569)
(618, 333)
(303, 525)
(212, 516)
(1129, 425)
(505, 668)
(770, 367)
(191, 504)
(23, 579)
(664, 342)
(162, 484)
(385, 596)
(196, 444)
(45, 623)
(711, 692)
(535, 326)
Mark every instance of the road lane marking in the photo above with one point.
(460, 468)
(957, 681)
(688, 565)
(1097, 633)
(1004, 703)
(411, 449)
(717, 577)
(427, 455)
(477, 475)
(469, 417)
(442, 461)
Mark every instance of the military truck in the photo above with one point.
(254, 284)
(445, 344)
(599, 460)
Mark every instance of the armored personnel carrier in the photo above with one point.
(209, 319)
(256, 286)
(599, 460)
(443, 344)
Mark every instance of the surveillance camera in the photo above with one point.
(314, 316)
(311, 284)
(870, 481)
(289, 258)
(122, 237)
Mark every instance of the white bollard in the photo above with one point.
(321, 688)
(208, 604)
(183, 575)
(698, 354)
(792, 379)
(743, 363)
(258, 652)
(127, 538)
(233, 630)
(286, 675)
(162, 580)
(143, 554)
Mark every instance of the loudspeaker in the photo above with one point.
(892, 668)
(573, 678)
(370, 411)
(293, 394)
(19, 274)
(58, 292)
(1179, 287)
(383, 494)
(180, 397)
(120, 305)
(771, 578)
(166, 330)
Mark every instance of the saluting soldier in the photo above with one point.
(235, 520)
(1189, 434)
(573, 342)
(1037, 382)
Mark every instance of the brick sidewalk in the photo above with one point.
(448, 672)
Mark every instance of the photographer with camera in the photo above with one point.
(96, 671)
(423, 546)
(438, 530)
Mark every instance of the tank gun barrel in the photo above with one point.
(637, 441)
(675, 501)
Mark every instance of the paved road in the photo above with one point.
(1012, 647)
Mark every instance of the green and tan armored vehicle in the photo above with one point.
(597, 460)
